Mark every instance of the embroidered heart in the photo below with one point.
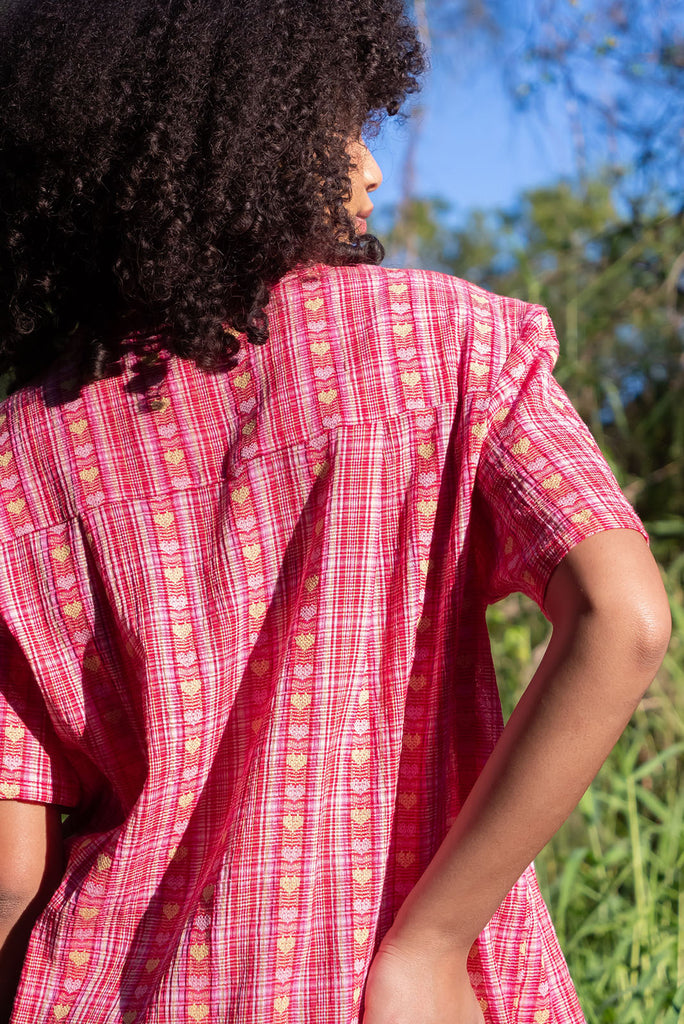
(329, 396)
(361, 755)
(9, 482)
(95, 499)
(290, 883)
(361, 846)
(324, 372)
(406, 858)
(359, 786)
(302, 672)
(179, 602)
(167, 430)
(187, 658)
(169, 547)
(281, 1003)
(361, 875)
(66, 582)
(182, 482)
(60, 1011)
(199, 952)
(78, 427)
(299, 732)
(291, 854)
(170, 910)
(294, 793)
(193, 744)
(293, 822)
(360, 815)
(198, 981)
(362, 906)
(72, 985)
(361, 727)
(407, 354)
(191, 687)
(363, 698)
(249, 451)
(198, 1011)
(361, 936)
(283, 974)
(15, 507)
(163, 519)
(408, 800)
(246, 523)
(10, 790)
(192, 716)
(286, 943)
(320, 348)
(332, 421)
(300, 700)
(12, 763)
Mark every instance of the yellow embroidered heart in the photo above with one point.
(552, 483)
(182, 630)
(289, 883)
(293, 822)
(191, 687)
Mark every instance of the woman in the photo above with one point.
(257, 493)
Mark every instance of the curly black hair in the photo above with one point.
(163, 163)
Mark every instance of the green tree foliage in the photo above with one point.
(614, 285)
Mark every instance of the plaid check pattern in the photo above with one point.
(243, 637)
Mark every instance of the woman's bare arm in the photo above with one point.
(611, 625)
(30, 869)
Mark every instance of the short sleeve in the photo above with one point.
(542, 484)
(33, 765)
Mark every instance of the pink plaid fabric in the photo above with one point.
(244, 638)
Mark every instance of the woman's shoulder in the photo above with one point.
(414, 291)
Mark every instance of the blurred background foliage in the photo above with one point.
(604, 251)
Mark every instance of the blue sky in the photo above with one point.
(474, 149)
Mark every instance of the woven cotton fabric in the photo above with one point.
(243, 638)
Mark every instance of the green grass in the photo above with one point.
(611, 876)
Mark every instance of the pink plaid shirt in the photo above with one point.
(244, 638)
